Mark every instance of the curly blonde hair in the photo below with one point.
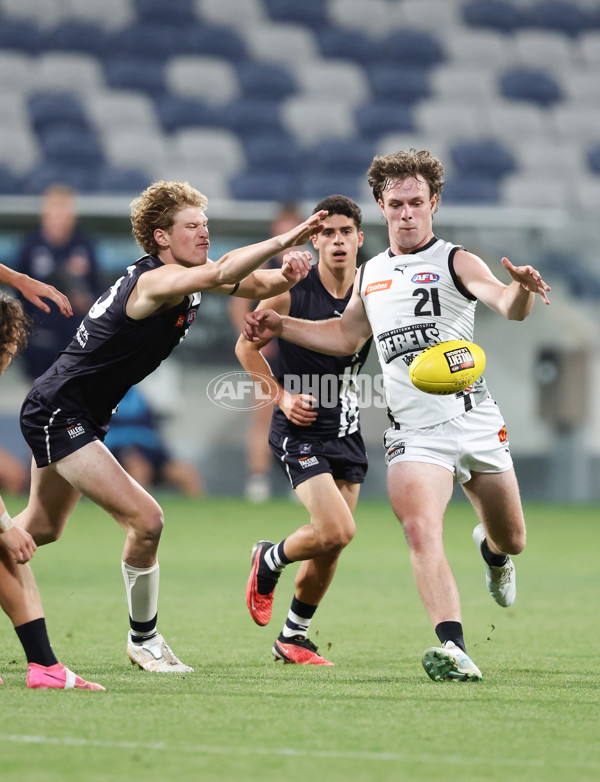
(398, 166)
(15, 325)
(156, 208)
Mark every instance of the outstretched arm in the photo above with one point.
(35, 291)
(265, 283)
(513, 301)
(172, 281)
(335, 337)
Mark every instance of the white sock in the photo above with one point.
(141, 586)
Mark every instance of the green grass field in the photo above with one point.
(374, 716)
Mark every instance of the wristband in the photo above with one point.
(6, 522)
(235, 289)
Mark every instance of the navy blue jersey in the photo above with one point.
(330, 379)
(110, 351)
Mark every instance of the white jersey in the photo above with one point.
(414, 301)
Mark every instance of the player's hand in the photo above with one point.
(302, 233)
(35, 291)
(296, 265)
(529, 278)
(298, 408)
(262, 324)
(20, 544)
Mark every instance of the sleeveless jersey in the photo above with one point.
(412, 302)
(330, 379)
(110, 351)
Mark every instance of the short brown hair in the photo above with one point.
(156, 208)
(15, 325)
(398, 166)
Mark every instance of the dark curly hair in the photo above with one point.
(15, 325)
(384, 171)
(341, 205)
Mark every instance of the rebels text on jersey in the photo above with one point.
(110, 351)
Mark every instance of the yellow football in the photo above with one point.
(447, 367)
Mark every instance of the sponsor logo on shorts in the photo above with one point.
(308, 461)
(503, 434)
(425, 277)
(373, 287)
(305, 448)
(395, 450)
(75, 431)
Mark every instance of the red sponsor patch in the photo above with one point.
(373, 287)
(503, 435)
(180, 321)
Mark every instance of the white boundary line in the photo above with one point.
(201, 749)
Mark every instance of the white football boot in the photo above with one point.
(155, 654)
(502, 580)
(449, 662)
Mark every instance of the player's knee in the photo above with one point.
(415, 534)
(147, 524)
(337, 538)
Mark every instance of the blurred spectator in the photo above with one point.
(134, 439)
(14, 474)
(258, 452)
(59, 254)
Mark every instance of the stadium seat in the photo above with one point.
(563, 17)
(70, 71)
(351, 45)
(231, 12)
(351, 15)
(10, 184)
(589, 47)
(377, 119)
(116, 180)
(274, 152)
(111, 14)
(18, 145)
(515, 120)
(248, 117)
(175, 113)
(21, 36)
(483, 159)
(563, 158)
(47, 109)
(284, 43)
(214, 149)
(312, 119)
(543, 191)
(498, 15)
(593, 157)
(216, 41)
(350, 157)
(81, 178)
(575, 121)
(315, 186)
(478, 48)
(545, 49)
(582, 87)
(265, 81)
(134, 73)
(132, 149)
(346, 79)
(111, 111)
(309, 12)
(46, 15)
(79, 37)
(206, 77)
(407, 47)
(264, 186)
(433, 14)
(471, 189)
(71, 146)
(16, 72)
(451, 121)
(530, 84)
(146, 40)
(413, 84)
(178, 12)
(464, 83)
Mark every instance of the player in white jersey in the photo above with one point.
(421, 291)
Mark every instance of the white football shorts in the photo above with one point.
(475, 441)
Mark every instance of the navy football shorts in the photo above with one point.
(345, 458)
(51, 433)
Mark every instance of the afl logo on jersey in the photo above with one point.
(191, 316)
(425, 277)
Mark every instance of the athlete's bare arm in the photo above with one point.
(335, 337)
(513, 301)
(35, 291)
(265, 283)
(168, 284)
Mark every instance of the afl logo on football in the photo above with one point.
(425, 277)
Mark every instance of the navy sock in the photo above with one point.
(36, 644)
(451, 631)
(495, 560)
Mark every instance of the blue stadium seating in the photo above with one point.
(175, 113)
(272, 152)
(310, 12)
(498, 15)
(471, 190)
(409, 48)
(345, 44)
(9, 182)
(248, 117)
(485, 158)
(265, 81)
(343, 157)
(134, 73)
(178, 12)
(218, 41)
(79, 37)
(265, 186)
(121, 180)
(47, 109)
(563, 17)
(70, 146)
(80, 178)
(149, 40)
(315, 186)
(405, 86)
(380, 118)
(593, 157)
(23, 36)
(530, 84)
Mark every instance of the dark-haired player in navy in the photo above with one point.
(124, 337)
(315, 435)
